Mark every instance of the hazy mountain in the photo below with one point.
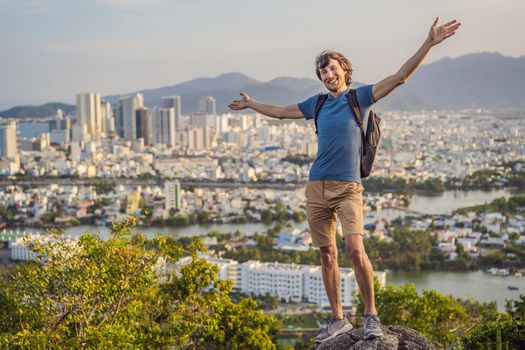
(190, 91)
(227, 86)
(297, 84)
(481, 80)
(42, 111)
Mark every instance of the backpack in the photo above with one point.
(369, 141)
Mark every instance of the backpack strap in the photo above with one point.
(351, 96)
(321, 99)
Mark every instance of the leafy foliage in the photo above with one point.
(126, 292)
(502, 205)
(507, 332)
(407, 251)
(442, 319)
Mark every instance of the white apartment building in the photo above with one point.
(314, 288)
(172, 190)
(289, 282)
(282, 280)
(20, 251)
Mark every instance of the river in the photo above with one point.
(478, 285)
(452, 200)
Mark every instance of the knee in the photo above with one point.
(357, 255)
(328, 256)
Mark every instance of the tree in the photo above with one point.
(507, 332)
(407, 251)
(120, 293)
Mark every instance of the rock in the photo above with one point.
(394, 338)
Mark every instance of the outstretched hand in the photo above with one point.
(438, 34)
(240, 104)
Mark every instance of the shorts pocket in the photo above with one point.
(354, 187)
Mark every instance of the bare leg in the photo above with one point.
(331, 280)
(364, 273)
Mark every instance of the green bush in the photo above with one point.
(120, 294)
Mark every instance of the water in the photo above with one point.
(29, 130)
(477, 284)
(202, 230)
(185, 231)
(452, 200)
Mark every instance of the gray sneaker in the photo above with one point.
(333, 329)
(372, 326)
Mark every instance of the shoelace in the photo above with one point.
(329, 322)
(371, 322)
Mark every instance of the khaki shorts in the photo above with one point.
(325, 201)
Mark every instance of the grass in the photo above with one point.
(303, 321)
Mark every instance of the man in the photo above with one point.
(334, 188)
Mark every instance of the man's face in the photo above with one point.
(333, 76)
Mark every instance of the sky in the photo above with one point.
(52, 49)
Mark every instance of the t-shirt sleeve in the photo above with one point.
(307, 107)
(365, 96)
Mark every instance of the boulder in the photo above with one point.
(395, 337)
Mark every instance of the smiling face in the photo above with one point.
(333, 76)
(334, 70)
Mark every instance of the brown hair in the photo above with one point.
(322, 60)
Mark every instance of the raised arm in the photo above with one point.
(435, 36)
(274, 111)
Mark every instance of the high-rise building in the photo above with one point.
(110, 125)
(164, 126)
(196, 139)
(8, 146)
(106, 114)
(222, 123)
(75, 151)
(119, 124)
(89, 113)
(172, 190)
(59, 123)
(79, 133)
(125, 117)
(199, 120)
(208, 137)
(144, 125)
(207, 105)
(58, 136)
(174, 102)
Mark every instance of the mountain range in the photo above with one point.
(480, 80)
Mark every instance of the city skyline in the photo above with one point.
(54, 49)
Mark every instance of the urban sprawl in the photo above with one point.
(110, 161)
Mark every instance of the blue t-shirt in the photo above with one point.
(339, 137)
